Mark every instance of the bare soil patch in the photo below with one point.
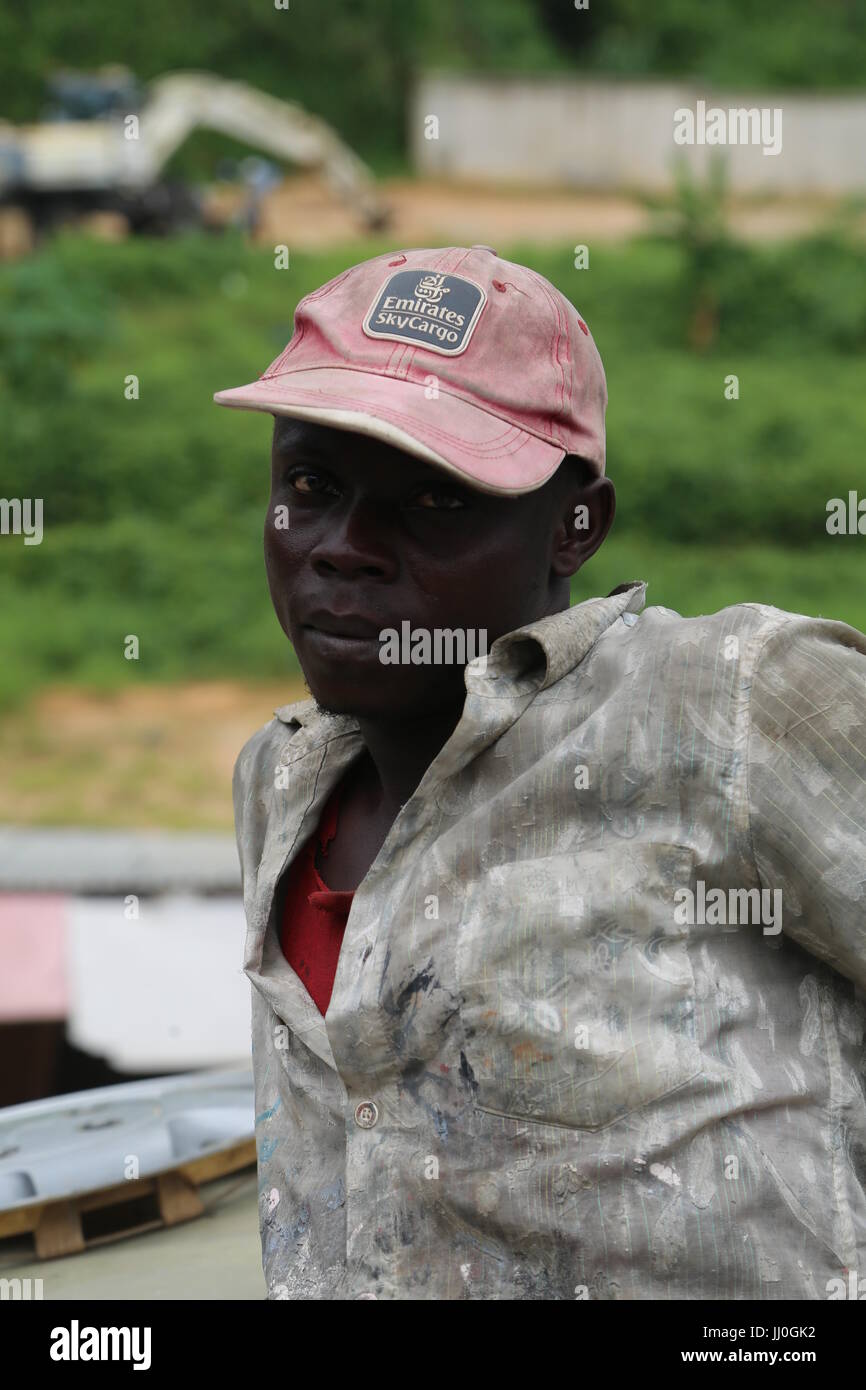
(149, 756)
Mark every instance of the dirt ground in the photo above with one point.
(304, 213)
(150, 756)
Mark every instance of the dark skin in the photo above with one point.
(375, 537)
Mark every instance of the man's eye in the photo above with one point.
(438, 499)
(308, 482)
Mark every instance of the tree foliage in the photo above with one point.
(353, 61)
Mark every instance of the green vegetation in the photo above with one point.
(154, 507)
(354, 61)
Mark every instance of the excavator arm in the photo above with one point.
(184, 101)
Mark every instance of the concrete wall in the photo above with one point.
(603, 134)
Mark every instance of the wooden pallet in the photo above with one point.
(68, 1225)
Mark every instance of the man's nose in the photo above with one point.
(357, 542)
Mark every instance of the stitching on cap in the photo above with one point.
(561, 322)
(276, 365)
(344, 367)
(300, 328)
(408, 361)
(326, 289)
(494, 447)
(386, 412)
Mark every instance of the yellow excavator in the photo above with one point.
(107, 141)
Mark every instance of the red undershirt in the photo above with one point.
(314, 916)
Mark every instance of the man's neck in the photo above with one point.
(400, 754)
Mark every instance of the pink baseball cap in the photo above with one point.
(454, 355)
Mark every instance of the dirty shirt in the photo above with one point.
(597, 1026)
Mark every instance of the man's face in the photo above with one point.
(375, 537)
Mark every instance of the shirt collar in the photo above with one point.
(539, 654)
(529, 659)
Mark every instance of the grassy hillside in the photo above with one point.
(154, 507)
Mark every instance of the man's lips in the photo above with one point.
(349, 626)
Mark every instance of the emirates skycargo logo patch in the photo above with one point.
(433, 311)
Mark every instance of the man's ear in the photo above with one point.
(586, 517)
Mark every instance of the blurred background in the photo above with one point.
(138, 276)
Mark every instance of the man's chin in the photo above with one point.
(353, 707)
(333, 711)
(346, 704)
(376, 706)
(337, 704)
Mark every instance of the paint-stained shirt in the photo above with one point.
(597, 1027)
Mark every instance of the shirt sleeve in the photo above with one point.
(238, 795)
(254, 770)
(807, 786)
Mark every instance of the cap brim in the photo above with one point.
(432, 424)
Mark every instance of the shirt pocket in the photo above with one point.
(578, 995)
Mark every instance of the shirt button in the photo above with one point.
(366, 1114)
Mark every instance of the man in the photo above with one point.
(556, 951)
